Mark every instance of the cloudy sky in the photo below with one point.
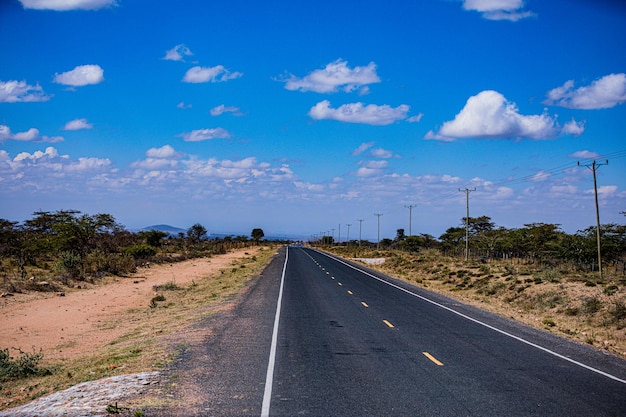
(300, 118)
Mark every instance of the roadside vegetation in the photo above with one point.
(65, 250)
(56, 250)
(538, 274)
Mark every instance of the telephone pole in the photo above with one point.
(339, 235)
(360, 229)
(348, 237)
(467, 191)
(410, 207)
(594, 167)
(378, 242)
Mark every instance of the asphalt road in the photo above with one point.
(316, 336)
(352, 345)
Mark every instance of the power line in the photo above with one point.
(532, 178)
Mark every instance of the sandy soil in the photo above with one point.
(65, 326)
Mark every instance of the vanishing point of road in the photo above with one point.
(320, 336)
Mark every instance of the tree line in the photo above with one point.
(535, 242)
(75, 245)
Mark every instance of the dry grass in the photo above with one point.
(154, 333)
(577, 306)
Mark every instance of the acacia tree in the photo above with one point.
(196, 233)
(257, 234)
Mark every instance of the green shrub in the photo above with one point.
(113, 263)
(168, 286)
(141, 251)
(548, 275)
(70, 263)
(27, 364)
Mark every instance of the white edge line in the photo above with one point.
(558, 355)
(269, 378)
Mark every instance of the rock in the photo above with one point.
(6, 294)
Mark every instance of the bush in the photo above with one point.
(113, 263)
(70, 263)
(27, 364)
(142, 251)
(591, 305)
(618, 314)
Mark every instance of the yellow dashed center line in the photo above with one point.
(388, 324)
(364, 304)
(432, 358)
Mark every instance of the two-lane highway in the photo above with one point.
(348, 343)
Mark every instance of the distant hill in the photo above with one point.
(166, 228)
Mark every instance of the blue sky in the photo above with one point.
(300, 118)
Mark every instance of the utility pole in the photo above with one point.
(348, 237)
(594, 167)
(378, 242)
(339, 235)
(467, 191)
(332, 235)
(360, 229)
(410, 207)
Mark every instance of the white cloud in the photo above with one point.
(511, 10)
(183, 105)
(606, 92)
(362, 148)
(540, 176)
(604, 191)
(18, 91)
(81, 75)
(88, 165)
(64, 5)
(489, 115)
(371, 168)
(215, 74)
(573, 128)
(335, 76)
(164, 152)
(371, 114)
(40, 168)
(163, 158)
(49, 153)
(381, 153)
(205, 134)
(177, 53)
(77, 124)
(415, 119)
(221, 109)
(31, 135)
(584, 155)
(153, 164)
